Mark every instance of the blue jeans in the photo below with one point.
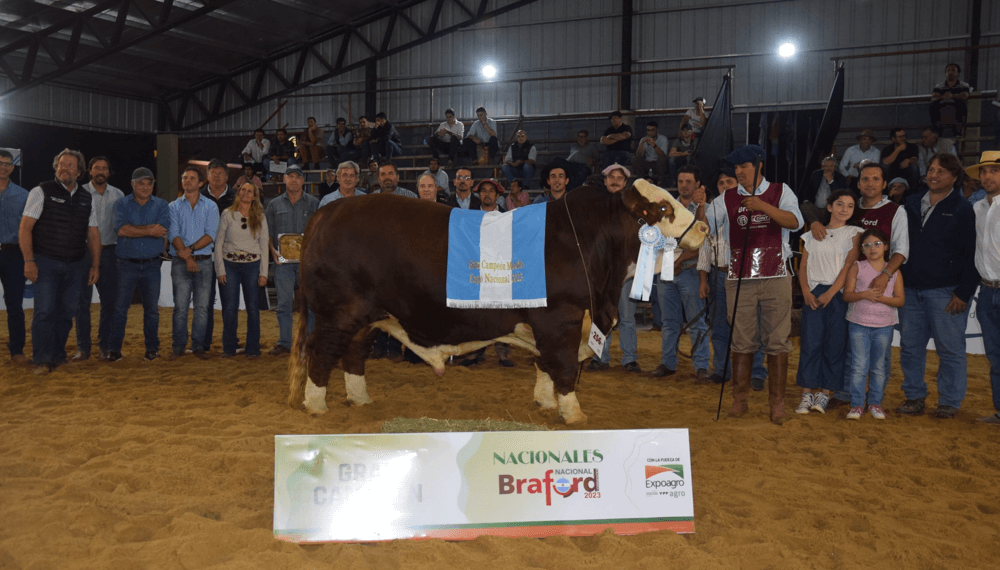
(626, 328)
(988, 313)
(286, 277)
(241, 276)
(107, 290)
(868, 348)
(389, 149)
(823, 344)
(210, 324)
(721, 328)
(610, 157)
(12, 279)
(525, 172)
(674, 295)
(57, 296)
(187, 287)
(923, 318)
(145, 276)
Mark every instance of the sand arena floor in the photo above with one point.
(169, 465)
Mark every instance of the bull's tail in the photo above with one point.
(298, 364)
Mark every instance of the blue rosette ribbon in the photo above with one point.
(651, 240)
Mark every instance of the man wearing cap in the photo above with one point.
(141, 222)
(695, 116)
(899, 189)
(194, 221)
(103, 197)
(617, 141)
(464, 197)
(348, 173)
(554, 180)
(988, 264)
(58, 228)
(758, 223)
(12, 200)
(615, 178)
(850, 163)
(651, 154)
(288, 214)
(490, 191)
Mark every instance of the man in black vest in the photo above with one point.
(57, 228)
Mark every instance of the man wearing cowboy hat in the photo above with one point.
(988, 264)
(850, 164)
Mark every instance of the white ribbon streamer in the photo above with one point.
(667, 264)
(651, 241)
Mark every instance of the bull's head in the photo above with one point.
(657, 207)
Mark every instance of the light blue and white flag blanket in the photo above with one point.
(496, 261)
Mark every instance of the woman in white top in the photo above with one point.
(822, 273)
(241, 263)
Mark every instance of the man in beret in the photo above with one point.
(759, 217)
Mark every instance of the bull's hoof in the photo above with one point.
(546, 405)
(322, 409)
(357, 391)
(569, 409)
(315, 401)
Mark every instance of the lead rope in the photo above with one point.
(586, 273)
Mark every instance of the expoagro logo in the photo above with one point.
(674, 476)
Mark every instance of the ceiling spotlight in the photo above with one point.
(786, 50)
(489, 72)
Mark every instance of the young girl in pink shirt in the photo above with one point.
(871, 317)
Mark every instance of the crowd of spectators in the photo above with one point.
(897, 235)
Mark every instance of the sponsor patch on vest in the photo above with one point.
(59, 200)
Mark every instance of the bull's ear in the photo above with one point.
(640, 207)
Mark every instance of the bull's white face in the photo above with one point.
(682, 218)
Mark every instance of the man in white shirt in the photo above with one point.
(256, 151)
(103, 198)
(865, 150)
(448, 137)
(695, 116)
(988, 264)
(652, 154)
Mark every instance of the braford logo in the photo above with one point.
(564, 485)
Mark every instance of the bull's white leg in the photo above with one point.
(569, 409)
(357, 390)
(544, 391)
(315, 401)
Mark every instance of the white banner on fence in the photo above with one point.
(457, 486)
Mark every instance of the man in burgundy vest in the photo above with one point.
(877, 211)
(758, 223)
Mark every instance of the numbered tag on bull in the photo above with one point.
(650, 240)
(596, 340)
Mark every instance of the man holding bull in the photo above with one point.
(757, 223)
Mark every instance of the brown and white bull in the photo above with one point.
(379, 262)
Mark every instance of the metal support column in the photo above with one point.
(371, 89)
(625, 89)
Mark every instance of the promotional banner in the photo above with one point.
(457, 486)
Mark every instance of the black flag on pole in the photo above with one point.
(829, 127)
(716, 139)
